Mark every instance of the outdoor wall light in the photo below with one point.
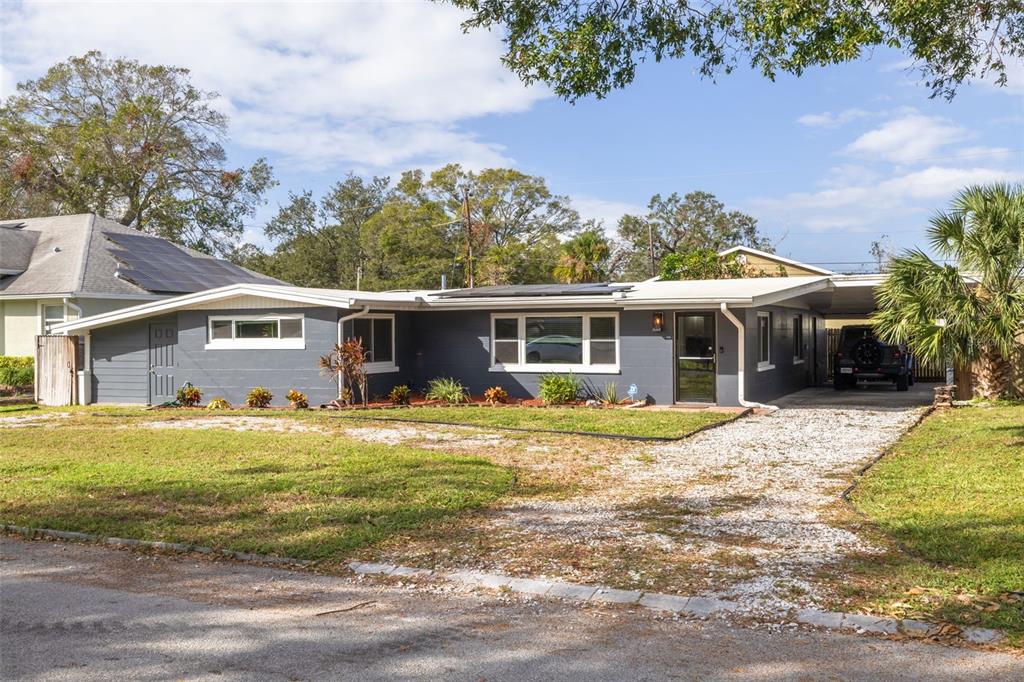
(657, 322)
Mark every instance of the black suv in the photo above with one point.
(861, 355)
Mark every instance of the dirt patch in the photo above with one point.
(233, 423)
(32, 419)
(430, 438)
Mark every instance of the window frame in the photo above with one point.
(44, 323)
(585, 367)
(765, 365)
(799, 352)
(384, 366)
(235, 343)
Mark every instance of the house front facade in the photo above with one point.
(726, 342)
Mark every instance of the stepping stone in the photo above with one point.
(981, 635)
(493, 581)
(702, 606)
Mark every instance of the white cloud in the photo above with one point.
(367, 85)
(898, 201)
(827, 119)
(606, 211)
(907, 138)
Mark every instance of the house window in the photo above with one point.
(555, 342)
(764, 341)
(798, 339)
(377, 334)
(53, 314)
(241, 332)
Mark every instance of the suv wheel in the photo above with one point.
(902, 382)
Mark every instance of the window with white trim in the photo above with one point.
(270, 331)
(798, 339)
(764, 341)
(555, 342)
(53, 314)
(377, 334)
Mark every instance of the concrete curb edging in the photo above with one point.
(699, 607)
(178, 547)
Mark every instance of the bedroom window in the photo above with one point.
(798, 339)
(252, 332)
(764, 342)
(555, 342)
(377, 333)
(53, 314)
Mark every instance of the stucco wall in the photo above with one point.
(787, 376)
(20, 324)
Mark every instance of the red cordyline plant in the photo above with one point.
(345, 363)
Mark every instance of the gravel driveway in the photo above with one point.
(747, 511)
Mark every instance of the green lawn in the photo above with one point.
(308, 496)
(643, 423)
(952, 493)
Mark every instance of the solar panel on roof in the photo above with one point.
(159, 266)
(521, 290)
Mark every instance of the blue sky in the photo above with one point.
(827, 162)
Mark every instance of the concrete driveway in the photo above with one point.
(873, 396)
(82, 612)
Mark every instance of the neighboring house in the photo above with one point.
(63, 268)
(718, 341)
(770, 265)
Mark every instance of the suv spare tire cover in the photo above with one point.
(867, 352)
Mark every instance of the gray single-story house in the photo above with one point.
(731, 342)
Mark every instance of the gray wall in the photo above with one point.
(428, 345)
(787, 376)
(120, 362)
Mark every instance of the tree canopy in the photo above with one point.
(592, 48)
(135, 143)
(680, 225)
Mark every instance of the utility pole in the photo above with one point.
(469, 234)
(650, 245)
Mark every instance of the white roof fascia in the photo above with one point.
(179, 302)
(819, 284)
(772, 256)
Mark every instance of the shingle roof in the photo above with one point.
(72, 257)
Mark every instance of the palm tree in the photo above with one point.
(968, 307)
(584, 258)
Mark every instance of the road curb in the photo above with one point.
(693, 606)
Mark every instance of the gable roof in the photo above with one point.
(75, 256)
(639, 295)
(764, 255)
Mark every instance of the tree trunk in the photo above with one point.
(963, 381)
(993, 373)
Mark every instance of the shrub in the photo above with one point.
(558, 389)
(611, 393)
(189, 396)
(495, 395)
(218, 404)
(399, 395)
(17, 370)
(259, 397)
(297, 399)
(446, 390)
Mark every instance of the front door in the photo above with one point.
(695, 357)
(161, 363)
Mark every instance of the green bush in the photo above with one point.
(259, 397)
(297, 399)
(446, 390)
(17, 370)
(495, 395)
(558, 389)
(400, 395)
(189, 396)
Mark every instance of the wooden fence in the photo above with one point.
(923, 371)
(57, 370)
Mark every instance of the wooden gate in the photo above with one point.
(923, 371)
(56, 370)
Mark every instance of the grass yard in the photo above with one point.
(303, 495)
(952, 493)
(642, 423)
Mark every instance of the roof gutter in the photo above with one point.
(741, 352)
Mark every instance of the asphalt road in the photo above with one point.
(84, 612)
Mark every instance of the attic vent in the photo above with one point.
(12, 226)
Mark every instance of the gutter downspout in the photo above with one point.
(341, 326)
(741, 353)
